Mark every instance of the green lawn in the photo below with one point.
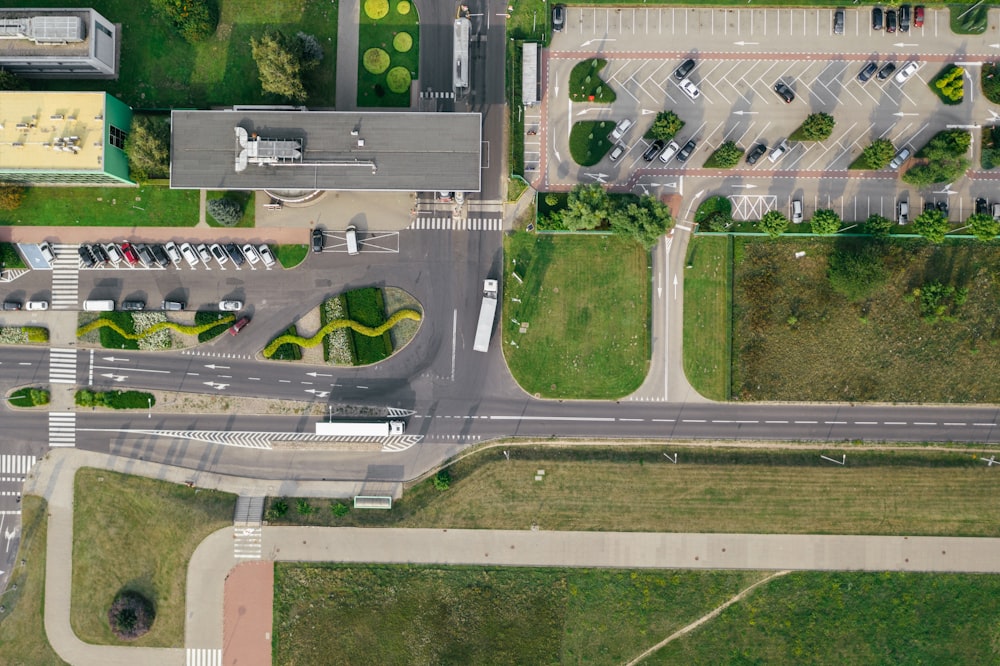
(851, 618)
(245, 200)
(146, 206)
(589, 142)
(586, 85)
(367, 306)
(10, 257)
(586, 303)
(375, 88)
(970, 19)
(795, 338)
(707, 304)
(158, 69)
(138, 534)
(22, 627)
(458, 615)
(290, 256)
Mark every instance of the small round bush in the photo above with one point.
(402, 42)
(376, 61)
(376, 9)
(131, 615)
(403, 7)
(398, 79)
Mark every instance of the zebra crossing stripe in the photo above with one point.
(461, 224)
(62, 429)
(15, 464)
(65, 277)
(62, 366)
(247, 543)
(204, 657)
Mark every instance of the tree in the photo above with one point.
(147, 147)
(11, 196)
(825, 222)
(877, 225)
(666, 125)
(983, 226)
(856, 271)
(932, 225)
(225, 211)
(10, 81)
(774, 223)
(947, 143)
(280, 63)
(939, 170)
(442, 480)
(816, 127)
(131, 615)
(878, 153)
(725, 156)
(587, 207)
(193, 19)
(643, 222)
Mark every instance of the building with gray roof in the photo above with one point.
(58, 44)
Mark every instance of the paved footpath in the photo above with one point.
(214, 558)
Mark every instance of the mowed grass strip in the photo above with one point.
(137, 534)
(706, 316)
(585, 301)
(22, 631)
(589, 141)
(147, 206)
(851, 618)
(459, 615)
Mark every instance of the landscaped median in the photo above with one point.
(23, 335)
(150, 330)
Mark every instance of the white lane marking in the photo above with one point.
(662, 420)
(866, 423)
(955, 424)
(926, 423)
(895, 423)
(454, 336)
(807, 422)
(986, 425)
(631, 419)
(775, 421)
(835, 422)
(112, 367)
(553, 418)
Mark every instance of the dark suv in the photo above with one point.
(890, 21)
(757, 152)
(904, 18)
(558, 18)
(876, 18)
(234, 253)
(784, 91)
(886, 71)
(681, 72)
(654, 150)
(318, 240)
(867, 72)
(86, 256)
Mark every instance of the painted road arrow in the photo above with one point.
(113, 359)
(217, 367)
(114, 378)
(746, 187)
(746, 43)
(317, 374)
(745, 113)
(318, 394)
(217, 387)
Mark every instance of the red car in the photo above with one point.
(918, 16)
(238, 326)
(129, 253)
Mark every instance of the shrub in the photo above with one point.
(983, 226)
(367, 307)
(939, 301)
(376, 9)
(303, 507)
(856, 271)
(825, 222)
(442, 480)
(666, 125)
(403, 7)
(643, 222)
(402, 42)
(774, 223)
(309, 47)
(278, 509)
(375, 60)
(725, 156)
(36, 333)
(280, 64)
(877, 154)
(227, 212)
(204, 317)
(11, 196)
(131, 615)
(949, 85)
(714, 213)
(115, 399)
(398, 79)
(29, 397)
(339, 509)
(193, 19)
(148, 148)
(932, 225)
(287, 350)
(945, 170)
(551, 199)
(816, 127)
(877, 225)
(990, 156)
(990, 80)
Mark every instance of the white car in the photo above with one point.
(265, 255)
(219, 254)
(230, 306)
(797, 211)
(669, 152)
(899, 158)
(617, 152)
(251, 253)
(203, 252)
(172, 252)
(37, 305)
(190, 256)
(619, 131)
(778, 152)
(690, 89)
(114, 254)
(47, 253)
(907, 71)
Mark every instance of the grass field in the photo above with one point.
(10, 257)
(290, 256)
(711, 490)
(706, 316)
(851, 618)
(794, 338)
(586, 302)
(147, 206)
(22, 627)
(589, 141)
(137, 534)
(158, 69)
(586, 85)
(375, 89)
(430, 615)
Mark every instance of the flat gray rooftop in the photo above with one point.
(339, 150)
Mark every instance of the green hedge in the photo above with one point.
(283, 347)
(342, 323)
(217, 325)
(115, 399)
(367, 307)
(119, 328)
(29, 397)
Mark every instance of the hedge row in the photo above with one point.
(180, 328)
(115, 399)
(29, 397)
(270, 349)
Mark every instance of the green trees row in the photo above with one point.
(589, 207)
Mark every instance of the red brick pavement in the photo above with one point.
(247, 615)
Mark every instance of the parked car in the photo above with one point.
(876, 18)
(230, 306)
(918, 16)
(867, 71)
(904, 18)
(239, 326)
(11, 305)
(681, 72)
(99, 254)
(619, 131)
(86, 257)
(690, 89)
(190, 256)
(996, 212)
(172, 305)
(686, 151)
(558, 18)
(172, 252)
(48, 254)
(37, 305)
(838, 21)
(901, 156)
(218, 253)
(797, 211)
(903, 211)
(136, 306)
(265, 255)
(145, 254)
(204, 253)
(982, 207)
(160, 255)
(890, 21)
(114, 254)
(234, 253)
(756, 153)
(250, 252)
(669, 152)
(129, 253)
(318, 240)
(779, 151)
(784, 92)
(654, 150)
(886, 71)
(943, 206)
(617, 152)
(907, 71)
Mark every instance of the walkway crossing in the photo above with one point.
(247, 543)
(437, 94)
(62, 429)
(204, 657)
(460, 224)
(13, 470)
(65, 277)
(62, 366)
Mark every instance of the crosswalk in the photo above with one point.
(62, 429)
(437, 94)
(65, 277)
(62, 366)
(460, 224)
(204, 657)
(247, 543)
(13, 469)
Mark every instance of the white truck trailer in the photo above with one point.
(487, 313)
(360, 428)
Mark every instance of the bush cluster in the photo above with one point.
(816, 127)
(945, 155)
(725, 156)
(131, 615)
(714, 213)
(193, 19)
(951, 84)
(29, 397)
(227, 212)
(666, 126)
(990, 80)
(115, 399)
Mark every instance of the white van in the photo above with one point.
(99, 306)
(352, 239)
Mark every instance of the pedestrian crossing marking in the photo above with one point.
(437, 94)
(62, 366)
(459, 224)
(65, 277)
(18, 465)
(247, 543)
(204, 657)
(62, 429)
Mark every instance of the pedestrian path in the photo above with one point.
(62, 429)
(204, 657)
(62, 366)
(65, 277)
(459, 224)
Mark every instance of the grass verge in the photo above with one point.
(464, 615)
(585, 307)
(367, 306)
(969, 19)
(115, 399)
(22, 629)
(28, 397)
(707, 308)
(515, 114)
(290, 256)
(10, 257)
(132, 533)
(401, 58)
(589, 142)
(246, 202)
(146, 206)
(586, 85)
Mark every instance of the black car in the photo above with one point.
(867, 71)
(654, 150)
(929, 205)
(757, 152)
(134, 305)
(890, 20)
(235, 253)
(86, 256)
(904, 18)
(784, 91)
(982, 208)
(886, 71)
(681, 72)
(160, 255)
(318, 240)
(558, 18)
(686, 151)
(99, 253)
(838, 22)
(876, 18)
(943, 207)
